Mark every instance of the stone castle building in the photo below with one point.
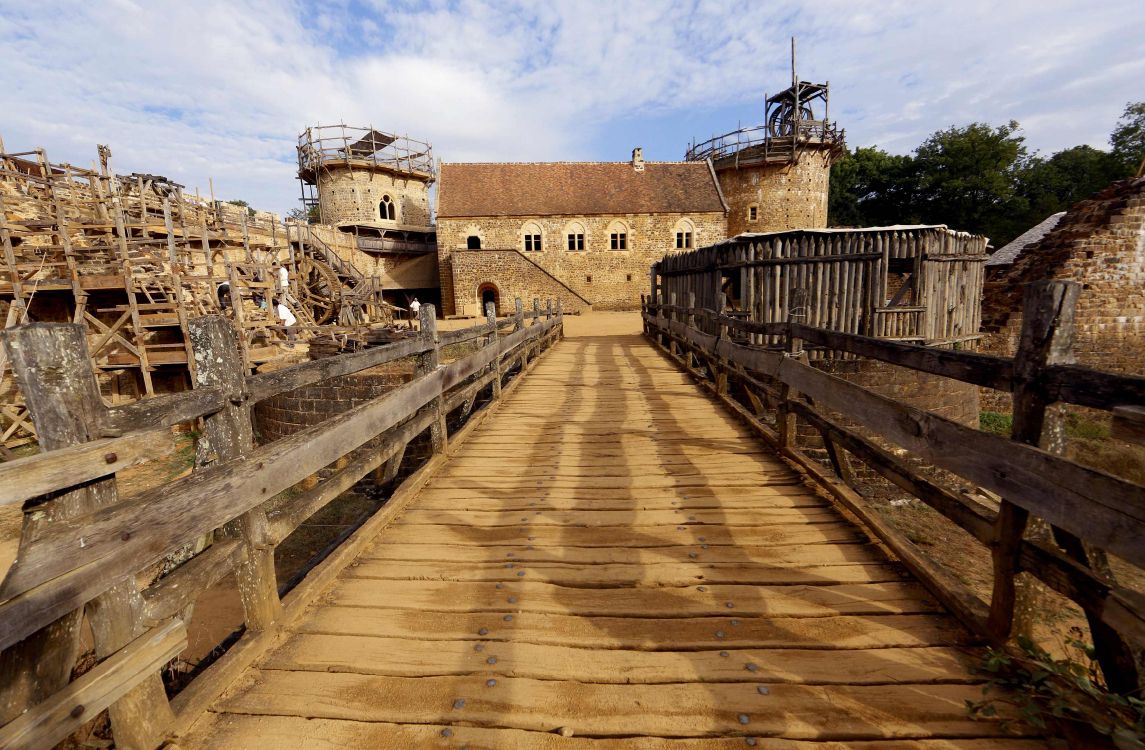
(373, 187)
(585, 233)
(588, 233)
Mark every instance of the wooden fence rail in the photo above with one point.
(83, 547)
(1089, 511)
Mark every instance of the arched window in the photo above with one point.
(531, 237)
(473, 242)
(487, 293)
(685, 235)
(386, 209)
(574, 236)
(618, 236)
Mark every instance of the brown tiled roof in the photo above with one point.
(575, 188)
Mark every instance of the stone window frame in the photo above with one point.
(753, 212)
(685, 235)
(575, 241)
(392, 213)
(532, 237)
(618, 236)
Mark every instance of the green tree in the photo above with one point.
(870, 187)
(1128, 138)
(968, 178)
(1056, 184)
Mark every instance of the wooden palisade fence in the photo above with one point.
(82, 547)
(1089, 511)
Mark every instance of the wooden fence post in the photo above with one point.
(53, 370)
(228, 434)
(721, 363)
(560, 317)
(491, 319)
(427, 363)
(549, 310)
(519, 317)
(673, 349)
(690, 359)
(785, 420)
(1046, 338)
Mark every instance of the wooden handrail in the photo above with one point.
(1104, 511)
(80, 555)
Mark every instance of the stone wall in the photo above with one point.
(608, 279)
(948, 398)
(786, 196)
(353, 195)
(1099, 243)
(510, 275)
(285, 414)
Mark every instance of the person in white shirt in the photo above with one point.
(415, 309)
(288, 320)
(283, 280)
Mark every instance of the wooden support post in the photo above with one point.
(549, 310)
(673, 347)
(427, 363)
(560, 317)
(690, 359)
(721, 373)
(1046, 338)
(52, 367)
(491, 319)
(228, 434)
(785, 421)
(519, 317)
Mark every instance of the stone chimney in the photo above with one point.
(638, 159)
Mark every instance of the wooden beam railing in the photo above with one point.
(1090, 511)
(82, 544)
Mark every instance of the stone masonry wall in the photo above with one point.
(1099, 243)
(353, 195)
(512, 275)
(787, 196)
(948, 398)
(285, 414)
(608, 279)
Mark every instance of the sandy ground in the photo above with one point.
(590, 324)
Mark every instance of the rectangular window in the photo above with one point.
(576, 242)
(752, 213)
(532, 243)
(683, 240)
(588, 279)
(619, 240)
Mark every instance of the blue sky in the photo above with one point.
(220, 89)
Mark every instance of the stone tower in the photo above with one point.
(775, 176)
(365, 178)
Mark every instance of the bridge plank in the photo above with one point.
(408, 657)
(675, 710)
(645, 633)
(627, 536)
(605, 575)
(772, 555)
(297, 733)
(781, 496)
(748, 601)
(545, 517)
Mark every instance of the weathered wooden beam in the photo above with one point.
(25, 478)
(267, 384)
(229, 435)
(179, 589)
(162, 410)
(51, 721)
(53, 370)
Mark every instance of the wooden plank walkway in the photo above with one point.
(610, 561)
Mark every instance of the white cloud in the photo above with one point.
(216, 88)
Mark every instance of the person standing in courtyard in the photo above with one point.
(415, 311)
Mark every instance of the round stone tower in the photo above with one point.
(775, 176)
(363, 177)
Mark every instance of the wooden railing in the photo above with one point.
(83, 546)
(1089, 511)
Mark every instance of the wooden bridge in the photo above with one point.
(598, 552)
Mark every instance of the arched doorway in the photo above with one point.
(472, 242)
(487, 293)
